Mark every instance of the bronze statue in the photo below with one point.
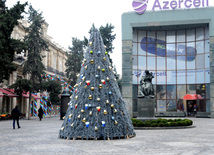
(146, 87)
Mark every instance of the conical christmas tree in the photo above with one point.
(96, 109)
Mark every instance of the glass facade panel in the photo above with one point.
(170, 49)
(161, 105)
(150, 36)
(181, 63)
(201, 107)
(161, 63)
(207, 76)
(161, 77)
(207, 60)
(151, 63)
(171, 77)
(190, 76)
(181, 36)
(181, 49)
(142, 62)
(171, 105)
(200, 76)
(171, 91)
(191, 89)
(135, 35)
(181, 77)
(207, 46)
(161, 36)
(200, 34)
(200, 61)
(141, 35)
(171, 63)
(135, 75)
(190, 35)
(134, 64)
(142, 49)
(181, 91)
(170, 38)
(200, 46)
(134, 49)
(161, 91)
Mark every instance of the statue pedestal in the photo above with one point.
(145, 107)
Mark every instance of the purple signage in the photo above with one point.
(140, 6)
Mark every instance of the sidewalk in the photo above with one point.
(41, 137)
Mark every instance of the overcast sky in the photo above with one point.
(74, 18)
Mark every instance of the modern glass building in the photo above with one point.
(177, 47)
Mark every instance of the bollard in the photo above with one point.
(65, 98)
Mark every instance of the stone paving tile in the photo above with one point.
(41, 137)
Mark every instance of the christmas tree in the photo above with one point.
(96, 109)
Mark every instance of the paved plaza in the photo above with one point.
(41, 137)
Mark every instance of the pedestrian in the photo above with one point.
(41, 112)
(15, 115)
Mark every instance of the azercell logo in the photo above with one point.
(140, 6)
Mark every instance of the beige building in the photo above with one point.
(54, 61)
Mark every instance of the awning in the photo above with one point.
(192, 97)
(25, 95)
(8, 93)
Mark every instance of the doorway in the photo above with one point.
(191, 108)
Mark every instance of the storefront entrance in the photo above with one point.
(191, 108)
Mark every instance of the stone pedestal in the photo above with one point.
(145, 107)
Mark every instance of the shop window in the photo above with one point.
(180, 105)
(171, 91)
(201, 90)
(199, 34)
(201, 106)
(161, 91)
(171, 105)
(161, 105)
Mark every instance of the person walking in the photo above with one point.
(15, 115)
(41, 112)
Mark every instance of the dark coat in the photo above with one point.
(41, 112)
(15, 113)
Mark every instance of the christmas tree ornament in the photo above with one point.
(98, 67)
(104, 112)
(78, 75)
(98, 53)
(109, 67)
(90, 113)
(115, 79)
(106, 53)
(103, 123)
(82, 111)
(115, 122)
(104, 58)
(85, 86)
(70, 116)
(112, 105)
(90, 97)
(75, 106)
(72, 124)
(90, 43)
(98, 109)
(112, 117)
(78, 116)
(92, 88)
(115, 110)
(92, 61)
(107, 101)
(83, 64)
(89, 105)
(114, 72)
(100, 86)
(69, 119)
(62, 128)
(107, 79)
(87, 124)
(96, 76)
(103, 70)
(71, 107)
(88, 82)
(103, 81)
(76, 91)
(84, 60)
(104, 46)
(86, 67)
(83, 78)
(109, 92)
(86, 106)
(91, 52)
(63, 117)
(76, 97)
(80, 83)
(95, 128)
(98, 99)
(83, 120)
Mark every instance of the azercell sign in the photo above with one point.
(140, 6)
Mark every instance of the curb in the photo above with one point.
(163, 128)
